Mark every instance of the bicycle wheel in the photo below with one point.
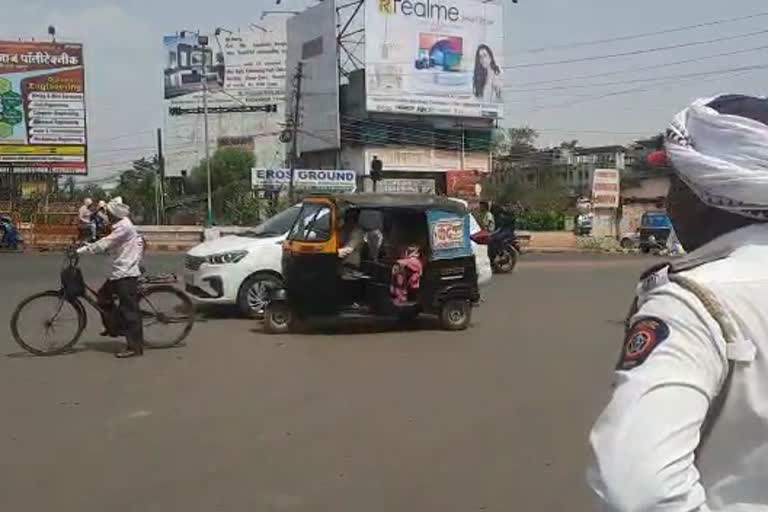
(167, 315)
(47, 323)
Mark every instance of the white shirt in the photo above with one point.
(643, 443)
(84, 215)
(127, 246)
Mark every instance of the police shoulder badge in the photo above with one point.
(642, 338)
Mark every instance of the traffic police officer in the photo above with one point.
(686, 428)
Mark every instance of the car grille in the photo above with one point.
(193, 262)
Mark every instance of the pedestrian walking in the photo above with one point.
(686, 428)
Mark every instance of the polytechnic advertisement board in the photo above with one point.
(438, 57)
(243, 69)
(42, 107)
(312, 41)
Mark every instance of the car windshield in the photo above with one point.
(276, 225)
(656, 220)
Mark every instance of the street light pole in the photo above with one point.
(203, 41)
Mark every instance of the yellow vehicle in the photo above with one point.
(414, 256)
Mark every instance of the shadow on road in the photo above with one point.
(106, 347)
(351, 327)
(211, 312)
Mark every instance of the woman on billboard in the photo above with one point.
(486, 82)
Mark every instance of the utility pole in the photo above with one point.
(203, 41)
(161, 174)
(295, 128)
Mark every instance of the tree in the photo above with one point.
(232, 197)
(91, 190)
(515, 144)
(137, 188)
(229, 165)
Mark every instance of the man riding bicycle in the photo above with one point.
(127, 246)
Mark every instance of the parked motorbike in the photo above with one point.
(503, 248)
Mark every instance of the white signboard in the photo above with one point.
(448, 234)
(244, 68)
(439, 57)
(312, 41)
(321, 180)
(406, 186)
(605, 188)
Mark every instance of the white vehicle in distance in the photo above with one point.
(239, 269)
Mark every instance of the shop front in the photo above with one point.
(424, 170)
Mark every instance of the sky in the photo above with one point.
(634, 96)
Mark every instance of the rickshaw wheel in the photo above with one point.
(278, 318)
(456, 314)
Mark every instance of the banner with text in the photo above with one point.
(242, 69)
(316, 180)
(438, 57)
(605, 188)
(42, 107)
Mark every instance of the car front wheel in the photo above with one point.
(254, 292)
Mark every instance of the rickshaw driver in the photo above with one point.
(353, 239)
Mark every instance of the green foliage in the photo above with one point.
(514, 143)
(137, 188)
(540, 220)
(91, 190)
(229, 165)
(231, 197)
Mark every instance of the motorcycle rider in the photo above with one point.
(128, 248)
(487, 220)
(10, 235)
(86, 220)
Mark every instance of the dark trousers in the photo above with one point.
(126, 317)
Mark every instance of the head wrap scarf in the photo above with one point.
(117, 208)
(719, 148)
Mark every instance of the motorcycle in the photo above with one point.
(9, 235)
(503, 248)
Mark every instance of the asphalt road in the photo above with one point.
(361, 419)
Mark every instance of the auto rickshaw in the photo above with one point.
(655, 228)
(415, 258)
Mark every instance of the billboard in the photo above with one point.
(605, 188)
(312, 41)
(42, 107)
(241, 69)
(316, 180)
(434, 57)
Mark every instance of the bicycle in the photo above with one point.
(61, 307)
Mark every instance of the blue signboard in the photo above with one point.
(448, 235)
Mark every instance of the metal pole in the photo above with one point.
(295, 130)
(207, 148)
(462, 147)
(161, 174)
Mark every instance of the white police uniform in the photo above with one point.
(652, 446)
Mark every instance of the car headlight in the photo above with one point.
(227, 257)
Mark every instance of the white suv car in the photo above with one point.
(237, 270)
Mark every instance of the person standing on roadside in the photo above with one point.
(687, 426)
